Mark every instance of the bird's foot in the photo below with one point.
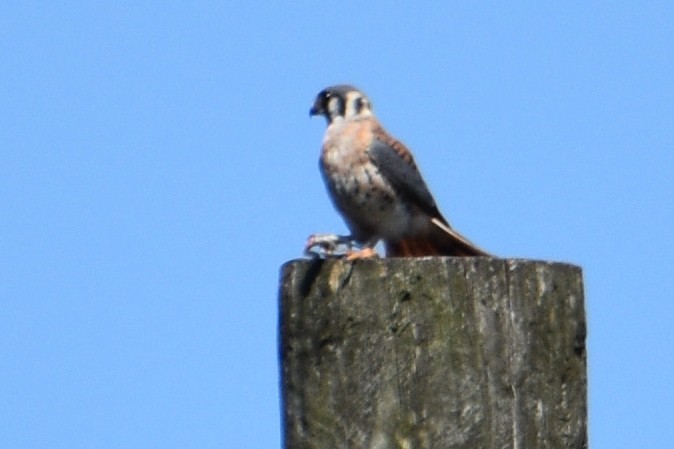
(365, 253)
(328, 245)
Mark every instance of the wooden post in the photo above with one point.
(433, 353)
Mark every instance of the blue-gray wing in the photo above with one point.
(395, 163)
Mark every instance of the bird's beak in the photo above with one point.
(316, 109)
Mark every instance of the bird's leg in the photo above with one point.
(366, 252)
(327, 245)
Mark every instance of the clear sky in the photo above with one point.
(158, 165)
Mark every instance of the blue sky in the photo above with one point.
(158, 165)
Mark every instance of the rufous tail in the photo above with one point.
(441, 241)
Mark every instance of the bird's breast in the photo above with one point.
(367, 201)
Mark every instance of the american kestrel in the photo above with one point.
(375, 185)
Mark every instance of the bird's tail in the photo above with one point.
(441, 241)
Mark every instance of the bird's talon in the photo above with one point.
(365, 253)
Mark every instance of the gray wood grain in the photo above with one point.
(432, 353)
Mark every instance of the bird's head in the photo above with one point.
(341, 102)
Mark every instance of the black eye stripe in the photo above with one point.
(342, 106)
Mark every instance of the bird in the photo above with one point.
(374, 183)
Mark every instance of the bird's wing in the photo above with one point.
(396, 164)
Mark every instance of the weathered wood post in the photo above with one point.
(434, 353)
